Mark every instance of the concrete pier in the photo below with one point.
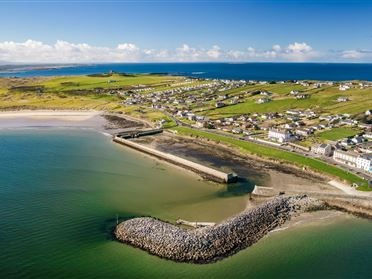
(195, 224)
(203, 171)
(139, 133)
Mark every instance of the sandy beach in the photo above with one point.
(96, 120)
(50, 118)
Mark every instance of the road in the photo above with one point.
(327, 160)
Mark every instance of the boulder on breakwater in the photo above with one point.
(205, 245)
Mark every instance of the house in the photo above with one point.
(365, 147)
(263, 100)
(322, 149)
(280, 135)
(201, 124)
(266, 93)
(237, 131)
(344, 87)
(364, 162)
(302, 96)
(368, 135)
(303, 132)
(219, 105)
(293, 112)
(345, 157)
(357, 139)
(294, 92)
(349, 122)
(342, 99)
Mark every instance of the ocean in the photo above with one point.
(246, 71)
(61, 190)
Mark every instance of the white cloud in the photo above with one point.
(32, 51)
(128, 47)
(214, 52)
(356, 54)
(276, 47)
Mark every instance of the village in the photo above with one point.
(338, 138)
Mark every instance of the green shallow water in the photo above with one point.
(60, 191)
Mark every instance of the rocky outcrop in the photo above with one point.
(210, 244)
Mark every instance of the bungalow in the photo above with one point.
(302, 96)
(303, 132)
(344, 87)
(368, 135)
(349, 122)
(266, 93)
(293, 112)
(201, 124)
(357, 139)
(263, 100)
(237, 131)
(342, 99)
(294, 92)
(219, 105)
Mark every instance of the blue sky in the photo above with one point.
(185, 30)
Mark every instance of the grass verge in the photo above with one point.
(280, 155)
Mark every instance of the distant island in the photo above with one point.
(10, 68)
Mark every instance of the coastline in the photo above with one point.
(280, 175)
(182, 146)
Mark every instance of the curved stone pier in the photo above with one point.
(210, 244)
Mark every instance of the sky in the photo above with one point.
(85, 31)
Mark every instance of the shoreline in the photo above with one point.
(97, 120)
(332, 199)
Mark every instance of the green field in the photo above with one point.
(273, 153)
(65, 93)
(338, 133)
(322, 100)
(114, 81)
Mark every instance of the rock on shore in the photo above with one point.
(210, 244)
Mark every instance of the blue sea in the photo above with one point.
(61, 190)
(247, 71)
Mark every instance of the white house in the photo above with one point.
(280, 135)
(368, 135)
(262, 100)
(342, 99)
(364, 162)
(347, 158)
(322, 149)
(344, 87)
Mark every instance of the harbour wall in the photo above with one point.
(203, 171)
(210, 244)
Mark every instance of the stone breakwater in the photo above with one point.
(214, 243)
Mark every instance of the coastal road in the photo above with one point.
(329, 161)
